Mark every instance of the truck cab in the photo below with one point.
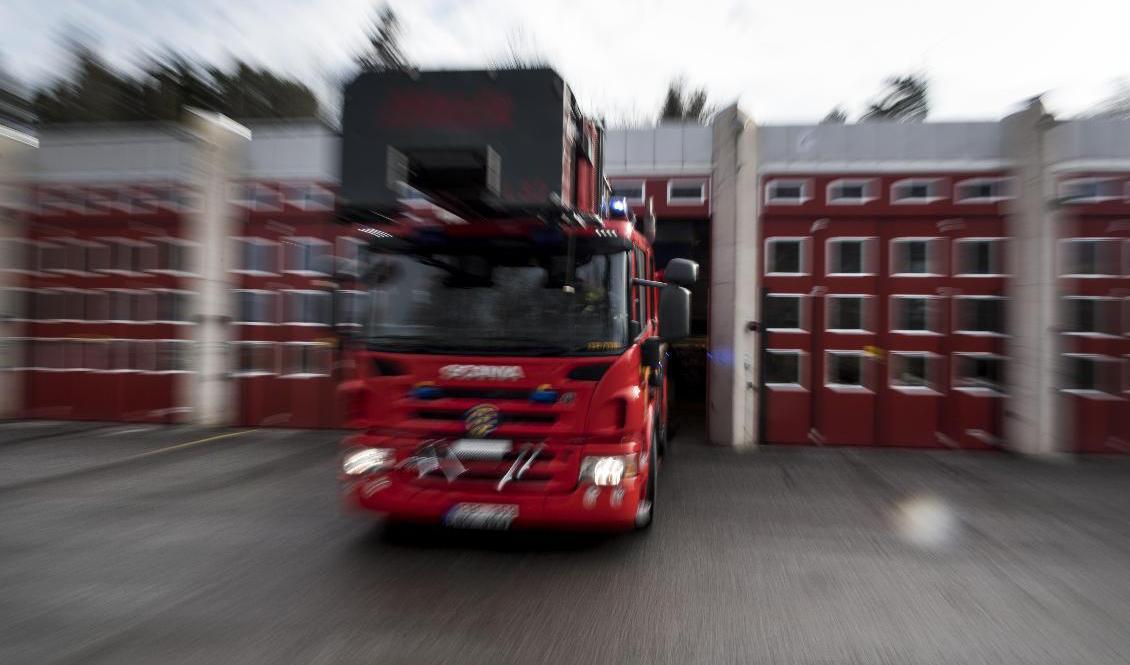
(511, 368)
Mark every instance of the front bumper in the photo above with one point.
(612, 508)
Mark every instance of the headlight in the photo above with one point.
(608, 470)
(367, 460)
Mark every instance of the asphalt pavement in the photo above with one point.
(132, 544)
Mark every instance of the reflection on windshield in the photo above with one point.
(496, 303)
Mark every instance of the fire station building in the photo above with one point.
(944, 285)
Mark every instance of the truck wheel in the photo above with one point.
(645, 513)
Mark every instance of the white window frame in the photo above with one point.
(341, 322)
(176, 197)
(1078, 333)
(118, 198)
(24, 296)
(60, 200)
(273, 347)
(802, 371)
(170, 240)
(66, 244)
(997, 255)
(110, 310)
(284, 372)
(955, 380)
(289, 242)
(237, 243)
(186, 354)
(240, 193)
(15, 354)
(1004, 192)
(63, 292)
(868, 256)
(935, 188)
(685, 200)
(52, 243)
(339, 250)
(1063, 186)
(1065, 257)
(187, 306)
(1092, 393)
(771, 186)
(274, 297)
(802, 312)
(258, 188)
(33, 344)
(306, 188)
(115, 345)
(285, 314)
(131, 294)
(932, 256)
(37, 311)
(632, 200)
(932, 327)
(956, 316)
(933, 375)
(146, 255)
(865, 313)
(98, 201)
(870, 191)
(30, 250)
(864, 371)
(803, 255)
(101, 293)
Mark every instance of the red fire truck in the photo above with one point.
(511, 370)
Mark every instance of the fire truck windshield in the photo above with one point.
(496, 303)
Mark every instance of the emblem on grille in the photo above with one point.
(481, 420)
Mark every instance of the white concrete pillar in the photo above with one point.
(219, 151)
(15, 147)
(733, 361)
(1033, 417)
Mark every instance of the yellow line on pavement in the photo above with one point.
(188, 444)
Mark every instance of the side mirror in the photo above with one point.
(682, 272)
(674, 311)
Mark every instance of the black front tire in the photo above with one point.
(645, 514)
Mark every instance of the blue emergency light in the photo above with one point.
(618, 208)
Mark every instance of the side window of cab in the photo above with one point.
(640, 309)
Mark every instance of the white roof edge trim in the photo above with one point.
(886, 166)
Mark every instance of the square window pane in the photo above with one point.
(782, 367)
(847, 256)
(785, 256)
(845, 313)
(845, 369)
(912, 313)
(909, 370)
(782, 312)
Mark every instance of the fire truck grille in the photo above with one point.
(504, 418)
(485, 393)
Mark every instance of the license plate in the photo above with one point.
(481, 516)
(480, 448)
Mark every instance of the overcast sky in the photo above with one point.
(784, 61)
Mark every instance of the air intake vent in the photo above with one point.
(589, 372)
(386, 367)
